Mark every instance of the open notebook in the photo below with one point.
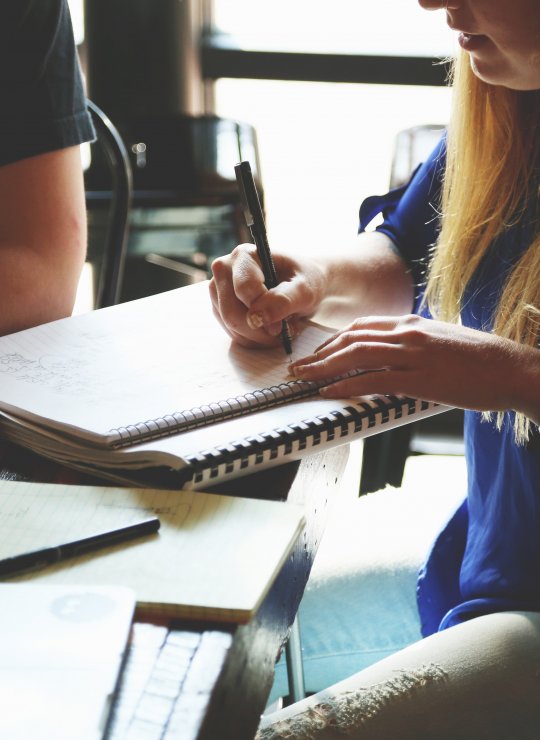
(214, 557)
(153, 391)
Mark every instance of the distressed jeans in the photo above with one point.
(474, 681)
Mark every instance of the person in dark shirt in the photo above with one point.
(43, 120)
(447, 298)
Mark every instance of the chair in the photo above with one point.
(114, 243)
(186, 207)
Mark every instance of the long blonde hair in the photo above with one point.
(493, 155)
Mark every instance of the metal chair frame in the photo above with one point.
(111, 272)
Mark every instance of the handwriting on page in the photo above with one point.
(83, 367)
(42, 515)
(61, 374)
(46, 360)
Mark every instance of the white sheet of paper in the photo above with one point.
(61, 649)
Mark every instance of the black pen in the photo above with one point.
(49, 555)
(255, 222)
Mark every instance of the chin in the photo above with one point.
(506, 78)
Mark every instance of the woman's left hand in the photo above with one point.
(423, 358)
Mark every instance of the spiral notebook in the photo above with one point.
(153, 392)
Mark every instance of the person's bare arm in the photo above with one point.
(369, 278)
(42, 238)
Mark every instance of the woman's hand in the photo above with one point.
(427, 359)
(252, 314)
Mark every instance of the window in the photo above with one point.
(399, 27)
(325, 146)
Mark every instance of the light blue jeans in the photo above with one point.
(360, 602)
(476, 681)
(347, 626)
(361, 636)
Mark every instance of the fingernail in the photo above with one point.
(323, 344)
(274, 329)
(308, 360)
(297, 370)
(254, 320)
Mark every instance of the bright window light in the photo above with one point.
(325, 147)
(76, 8)
(383, 26)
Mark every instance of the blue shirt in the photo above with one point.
(487, 557)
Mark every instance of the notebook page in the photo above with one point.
(214, 556)
(133, 362)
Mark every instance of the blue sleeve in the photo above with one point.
(43, 105)
(411, 214)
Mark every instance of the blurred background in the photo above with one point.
(330, 102)
(323, 88)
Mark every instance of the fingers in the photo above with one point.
(298, 293)
(383, 382)
(246, 275)
(376, 326)
(371, 343)
(238, 277)
(377, 347)
(250, 312)
(409, 356)
(238, 337)
(368, 349)
(231, 314)
(237, 280)
(271, 307)
(340, 360)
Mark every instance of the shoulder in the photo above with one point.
(43, 101)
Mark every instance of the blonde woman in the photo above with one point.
(447, 292)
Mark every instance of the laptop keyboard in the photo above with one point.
(166, 682)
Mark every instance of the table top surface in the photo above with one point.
(231, 680)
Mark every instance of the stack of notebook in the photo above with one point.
(153, 393)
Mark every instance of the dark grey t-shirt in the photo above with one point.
(42, 102)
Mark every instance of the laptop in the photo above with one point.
(61, 654)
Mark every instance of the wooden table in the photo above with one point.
(229, 692)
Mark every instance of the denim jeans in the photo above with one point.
(360, 602)
(479, 680)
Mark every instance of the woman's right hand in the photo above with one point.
(249, 312)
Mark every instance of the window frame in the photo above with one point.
(224, 55)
